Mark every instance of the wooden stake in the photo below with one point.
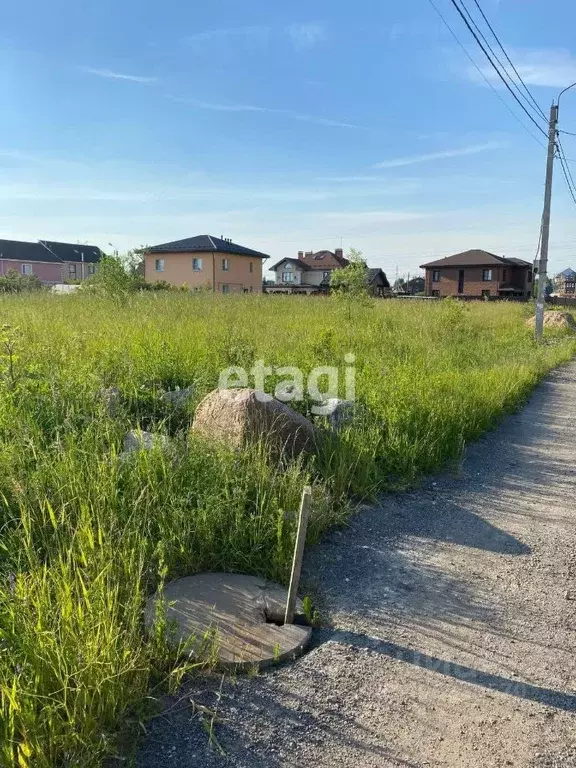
(298, 554)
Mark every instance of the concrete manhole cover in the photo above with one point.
(240, 609)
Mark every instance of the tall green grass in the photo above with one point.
(86, 536)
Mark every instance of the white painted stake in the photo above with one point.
(298, 553)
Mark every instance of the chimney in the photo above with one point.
(339, 253)
(301, 255)
(309, 254)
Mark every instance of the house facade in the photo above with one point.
(79, 261)
(565, 284)
(309, 273)
(206, 261)
(478, 274)
(46, 260)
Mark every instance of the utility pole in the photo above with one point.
(543, 262)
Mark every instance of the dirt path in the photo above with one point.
(454, 614)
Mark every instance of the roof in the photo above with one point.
(18, 250)
(324, 260)
(299, 263)
(474, 258)
(373, 273)
(76, 252)
(569, 273)
(205, 243)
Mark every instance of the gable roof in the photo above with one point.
(569, 273)
(323, 260)
(298, 262)
(474, 258)
(18, 250)
(373, 273)
(73, 251)
(205, 243)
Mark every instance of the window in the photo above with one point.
(72, 271)
(486, 275)
(251, 267)
(91, 269)
(225, 289)
(570, 286)
(529, 279)
(225, 265)
(485, 294)
(197, 265)
(159, 265)
(326, 274)
(435, 293)
(26, 269)
(287, 277)
(504, 275)
(436, 276)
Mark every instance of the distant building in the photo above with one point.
(309, 273)
(206, 261)
(565, 283)
(377, 282)
(478, 274)
(50, 261)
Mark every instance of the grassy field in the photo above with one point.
(85, 537)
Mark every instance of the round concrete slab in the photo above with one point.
(238, 609)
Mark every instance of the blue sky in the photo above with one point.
(286, 127)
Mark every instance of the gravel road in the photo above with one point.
(453, 614)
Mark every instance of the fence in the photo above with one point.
(561, 301)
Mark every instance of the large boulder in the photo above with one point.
(237, 417)
(555, 320)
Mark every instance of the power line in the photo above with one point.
(491, 28)
(479, 42)
(566, 171)
(503, 66)
(488, 83)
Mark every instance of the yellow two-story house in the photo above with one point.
(208, 262)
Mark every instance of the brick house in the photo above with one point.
(309, 273)
(478, 274)
(565, 284)
(206, 261)
(51, 262)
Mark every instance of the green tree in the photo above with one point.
(111, 279)
(349, 284)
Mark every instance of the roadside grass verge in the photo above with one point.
(86, 536)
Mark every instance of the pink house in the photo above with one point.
(51, 262)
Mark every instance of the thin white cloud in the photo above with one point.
(199, 104)
(304, 36)
(290, 114)
(251, 34)
(321, 120)
(108, 73)
(475, 149)
(553, 68)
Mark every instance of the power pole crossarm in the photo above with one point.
(543, 265)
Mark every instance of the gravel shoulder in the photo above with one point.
(453, 615)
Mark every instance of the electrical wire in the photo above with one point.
(510, 79)
(566, 171)
(498, 96)
(500, 75)
(491, 28)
